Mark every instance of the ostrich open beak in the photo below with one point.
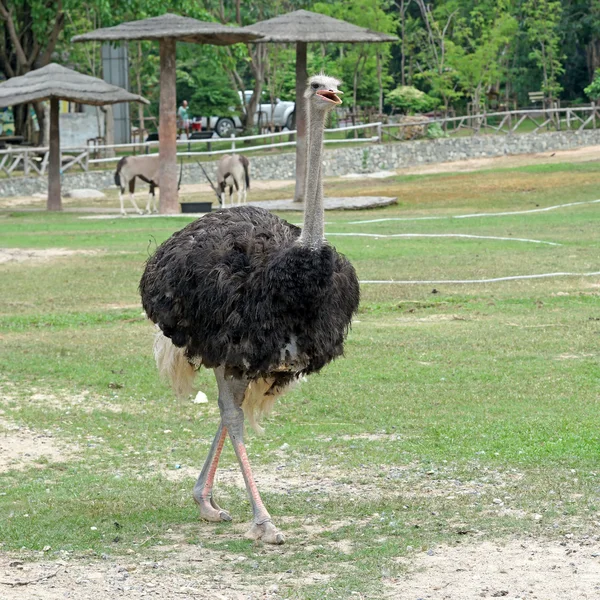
(330, 95)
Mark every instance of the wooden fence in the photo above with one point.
(35, 160)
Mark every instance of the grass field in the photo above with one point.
(461, 414)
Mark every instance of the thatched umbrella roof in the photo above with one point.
(168, 29)
(168, 25)
(306, 26)
(303, 27)
(55, 82)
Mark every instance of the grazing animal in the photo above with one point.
(232, 170)
(258, 300)
(146, 168)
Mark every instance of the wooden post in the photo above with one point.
(301, 77)
(167, 129)
(54, 200)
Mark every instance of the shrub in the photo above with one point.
(435, 131)
(410, 100)
(592, 91)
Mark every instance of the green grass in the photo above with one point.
(444, 402)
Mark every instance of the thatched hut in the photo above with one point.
(302, 27)
(55, 82)
(168, 29)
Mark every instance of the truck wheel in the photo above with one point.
(289, 122)
(225, 127)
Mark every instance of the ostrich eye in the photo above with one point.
(314, 86)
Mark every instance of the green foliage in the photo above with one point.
(410, 100)
(542, 18)
(435, 131)
(592, 91)
(202, 81)
(485, 37)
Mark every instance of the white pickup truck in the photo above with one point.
(282, 116)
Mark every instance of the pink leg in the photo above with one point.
(231, 396)
(209, 509)
(262, 527)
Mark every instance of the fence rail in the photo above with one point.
(508, 122)
(35, 160)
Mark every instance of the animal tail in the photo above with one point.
(173, 365)
(118, 173)
(246, 165)
(259, 400)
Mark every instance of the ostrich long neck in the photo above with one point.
(313, 231)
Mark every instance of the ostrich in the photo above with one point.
(256, 299)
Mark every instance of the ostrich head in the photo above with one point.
(322, 92)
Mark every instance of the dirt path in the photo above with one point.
(586, 154)
(568, 570)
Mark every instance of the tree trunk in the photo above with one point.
(258, 70)
(402, 42)
(380, 84)
(109, 129)
(592, 53)
(300, 111)
(167, 129)
(142, 125)
(54, 199)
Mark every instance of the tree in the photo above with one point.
(485, 36)
(409, 99)
(365, 65)
(439, 53)
(542, 18)
(29, 31)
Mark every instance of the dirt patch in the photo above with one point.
(189, 572)
(19, 255)
(586, 154)
(548, 570)
(257, 184)
(21, 447)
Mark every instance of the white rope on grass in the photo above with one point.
(491, 280)
(442, 235)
(473, 215)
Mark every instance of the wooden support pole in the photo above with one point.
(167, 129)
(54, 199)
(301, 77)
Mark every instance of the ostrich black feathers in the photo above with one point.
(236, 289)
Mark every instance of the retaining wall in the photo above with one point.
(342, 161)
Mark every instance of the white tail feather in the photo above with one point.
(173, 365)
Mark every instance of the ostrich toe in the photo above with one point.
(211, 511)
(267, 532)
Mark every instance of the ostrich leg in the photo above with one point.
(209, 509)
(231, 396)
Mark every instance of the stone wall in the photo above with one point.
(342, 161)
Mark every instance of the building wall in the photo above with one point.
(77, 128)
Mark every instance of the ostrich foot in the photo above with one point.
(211, 511)
(267, 532)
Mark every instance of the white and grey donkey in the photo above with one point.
(233, 170)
